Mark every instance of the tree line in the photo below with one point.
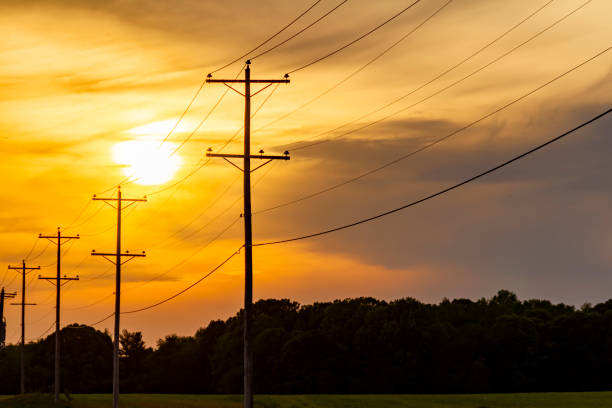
(361, 345)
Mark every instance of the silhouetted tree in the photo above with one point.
(357, 345)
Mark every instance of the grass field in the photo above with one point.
(534, 400)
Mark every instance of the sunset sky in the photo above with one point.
(89, 87)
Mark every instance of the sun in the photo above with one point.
(147, 162)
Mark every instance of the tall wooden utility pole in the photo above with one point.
(4, 295)
(248, 232)
(118, 262)
(23, 268)
(57, 281)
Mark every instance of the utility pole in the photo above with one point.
(118, 262)
(57, 281)
(248, 232)
(4, 295)
(23, 268)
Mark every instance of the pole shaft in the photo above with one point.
(117, 307)
(2, 335)
(22, 344)
(57, 319)
(248, 248)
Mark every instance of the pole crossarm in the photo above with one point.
(247, 82)
(23, 304)
(58, 237)
(53, 279)
(253, 81)
(251, 156)
(24, 268)
(10, 295)
(128, 255)
(250, 81)
(116, 199)
(261, 156)
(123, 207)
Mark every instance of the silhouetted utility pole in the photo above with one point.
(4, 295)
(57, 281)
(23, 268)
(118, 262)
(248, 233)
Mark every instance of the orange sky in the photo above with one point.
(80, 78)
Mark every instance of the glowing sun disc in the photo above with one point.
(147, 162)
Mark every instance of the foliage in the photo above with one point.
(349, 346)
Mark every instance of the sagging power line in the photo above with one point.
(439, 193)
(434, 142)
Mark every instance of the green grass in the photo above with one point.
(533, 400)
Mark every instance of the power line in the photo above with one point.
(355, 40)
(414, 90)
(300, 32)
(204, 163)
(79, 215)
(46, 331)
(200, 249)
(184, 112)
(4, 277)
(205, 118)
(40, 253)
(192, 233)
(181, 117)
(194, 219)
(93, 234)
(198, 91)
(429, 82)
(105, 274)
(51, 310)
(441, 192)
(187, 288)
(12, 280)
(85, 221)
(126, 179)
(351, 75)
(268, 39)
(70, 245)
(100, 321)
(433, 143)
(93, 303)
(182, 262)
(31, 250)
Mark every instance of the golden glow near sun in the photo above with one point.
(147, 162)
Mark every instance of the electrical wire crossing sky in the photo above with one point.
(388, 103)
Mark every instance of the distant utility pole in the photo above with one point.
(23, 268)
(4, 295)
(118, 262)
(248, 232)
(57, 281)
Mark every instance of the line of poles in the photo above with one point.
(119, 257)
